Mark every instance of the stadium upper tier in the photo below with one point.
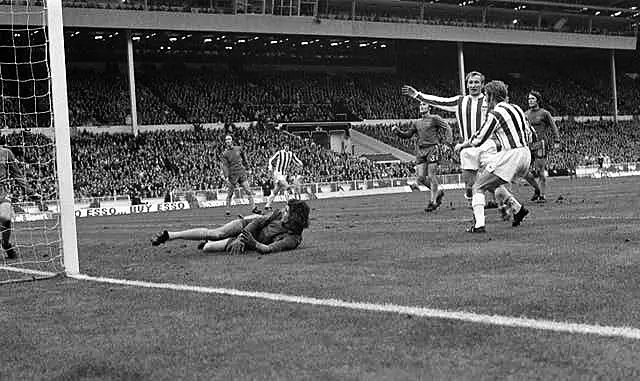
(154, 163)
(310, 17)
(604, 16)
(185, 95)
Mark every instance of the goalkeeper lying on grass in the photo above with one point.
(279, 231)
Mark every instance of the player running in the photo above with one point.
(234, 164)
(431, 131)
(507, 127)
(279, 165)
(471, 112)
(547, 131)
(280, 230)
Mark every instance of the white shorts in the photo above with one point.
(474, 158)
(510, 164)
(279, 177)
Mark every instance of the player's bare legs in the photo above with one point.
(280, 186)
(249, 192)
(531, 179)
(231, 189)
(469, 178)
(488, 182)
(6, 211)
(436, 195)
(541, 166)
(518, 211)
(228, 230)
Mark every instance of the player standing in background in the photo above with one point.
(471, 112)
(234, 164)
(279, 165)
(10, 171)
(547, 131)
(431, 131)
(507, 127)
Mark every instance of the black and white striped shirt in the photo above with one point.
(471, 111)
(281, 160)
(508, 124)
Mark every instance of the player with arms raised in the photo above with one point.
(279, 165)
(508, 127)
(234, 164)
(431, 131)
(470, 111)
(547, 131)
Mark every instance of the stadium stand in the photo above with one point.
(156, 162)
(211, 96)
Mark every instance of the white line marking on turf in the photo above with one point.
(27, 271)
(506, 321)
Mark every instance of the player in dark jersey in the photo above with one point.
(280, 230)
(234, 164)
(548, 136)
(431, 131)
(10, 171)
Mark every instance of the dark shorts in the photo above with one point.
(237, 179)
(539, 150)
(429, 155)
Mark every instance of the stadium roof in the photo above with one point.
(627, 8)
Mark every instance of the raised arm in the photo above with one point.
(447, 104)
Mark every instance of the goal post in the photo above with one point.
(34, 121)
(60, 119)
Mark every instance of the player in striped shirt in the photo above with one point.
(279, 165)
(508, 128)
(471, 112)
(542, 122)
(432, 131)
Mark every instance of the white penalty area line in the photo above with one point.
(470, 317)
(28, 271)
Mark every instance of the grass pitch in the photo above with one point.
(576, 260)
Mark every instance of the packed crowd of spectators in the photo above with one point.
(210, 96)
(154, 163)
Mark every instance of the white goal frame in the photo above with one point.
(60, 119)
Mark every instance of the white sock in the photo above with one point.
(477, 201)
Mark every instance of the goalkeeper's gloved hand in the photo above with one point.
(236, 247)
(249, 241)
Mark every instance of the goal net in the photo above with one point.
(30, 217)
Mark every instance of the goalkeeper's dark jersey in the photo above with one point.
(9, 171)
(268, 230)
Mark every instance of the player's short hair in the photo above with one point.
(497, 90)
(298, 216)
(537, 95)
(472, 74)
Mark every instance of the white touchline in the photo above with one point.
(505, 321)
